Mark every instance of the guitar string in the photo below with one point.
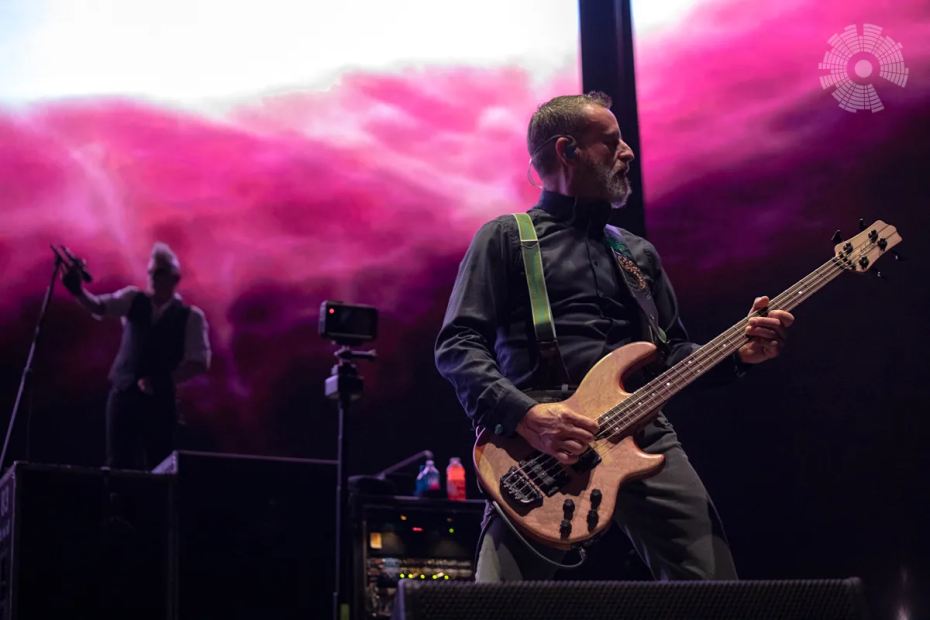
(814, 282)
(820, 276)
(729, 339)
(552, 464)
(788, 300)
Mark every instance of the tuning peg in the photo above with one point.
(861, 224)
(837, 237)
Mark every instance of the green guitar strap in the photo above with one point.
(551, 371)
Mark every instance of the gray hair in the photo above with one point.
(162, 254)
(561, 116)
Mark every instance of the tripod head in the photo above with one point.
(346, 355)
(344, 382)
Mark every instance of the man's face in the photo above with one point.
(603, 159)
(161, 279)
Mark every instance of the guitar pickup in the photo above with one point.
(544, 476)
(588, 460)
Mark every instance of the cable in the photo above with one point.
(581, 552)
(529, 166)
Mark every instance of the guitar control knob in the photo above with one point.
(565, 528)
(568, 506)
(595, 498)
(592, 518)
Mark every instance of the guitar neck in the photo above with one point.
(654, 394)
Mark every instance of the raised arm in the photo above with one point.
(110, 305)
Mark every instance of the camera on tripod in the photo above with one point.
(348, 324)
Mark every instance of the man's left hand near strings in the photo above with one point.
(767, 334)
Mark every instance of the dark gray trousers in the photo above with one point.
(140, 429)
(669, 518)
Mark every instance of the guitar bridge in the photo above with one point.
(517, 487)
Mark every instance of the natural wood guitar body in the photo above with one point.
(532, 491)
(621, 460)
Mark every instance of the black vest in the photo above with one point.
(147, 349)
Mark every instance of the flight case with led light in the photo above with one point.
(398, 537)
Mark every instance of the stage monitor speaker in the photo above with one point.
(605, 600)
(256, 535)
(85, 543)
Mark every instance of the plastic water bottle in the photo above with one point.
(428, 478)
(421, 482)
(455, 479)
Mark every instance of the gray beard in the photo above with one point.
(611, 188)
(616, 190)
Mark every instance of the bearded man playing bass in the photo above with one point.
(511, 381)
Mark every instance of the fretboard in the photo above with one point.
(646, 400)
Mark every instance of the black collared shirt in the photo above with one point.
(486, 347)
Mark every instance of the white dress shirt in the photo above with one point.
(196, 339)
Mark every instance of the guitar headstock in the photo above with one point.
(859, 253)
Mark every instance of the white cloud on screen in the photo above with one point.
(650, 15)
(185, 50)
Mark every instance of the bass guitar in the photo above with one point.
(569, 506)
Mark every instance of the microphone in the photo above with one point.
(75, 262)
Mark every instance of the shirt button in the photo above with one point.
(499, 429)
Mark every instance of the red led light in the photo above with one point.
(418, 529)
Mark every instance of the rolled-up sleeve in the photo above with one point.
(196, 338)
(116, 305)
(464, 349)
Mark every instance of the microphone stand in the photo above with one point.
(344, 385)
(26, 380)
(381, 475)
